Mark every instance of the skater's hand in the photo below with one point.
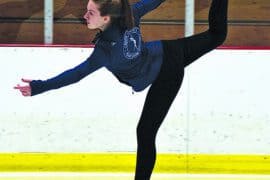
(25, 90)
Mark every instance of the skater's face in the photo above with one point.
(93, 18)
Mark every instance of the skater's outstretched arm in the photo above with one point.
(34, 87)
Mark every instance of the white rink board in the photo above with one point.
(223, 106)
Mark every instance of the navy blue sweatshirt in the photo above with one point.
(122, 52)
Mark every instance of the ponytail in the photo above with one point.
(119, 10)
(127, 20)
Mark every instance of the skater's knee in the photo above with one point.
(219, 37)
(222, 37)
(145, 131)
(141, 131)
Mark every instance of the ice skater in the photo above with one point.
(159, 64)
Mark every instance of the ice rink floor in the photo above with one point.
(118, 176)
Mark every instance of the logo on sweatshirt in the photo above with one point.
(132, 43)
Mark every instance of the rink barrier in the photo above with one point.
(125, 162)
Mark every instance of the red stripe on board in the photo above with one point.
(49, 45)
(92, 46)
(244, 47)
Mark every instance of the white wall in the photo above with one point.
(221, 108)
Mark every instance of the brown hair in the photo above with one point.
(119, 11)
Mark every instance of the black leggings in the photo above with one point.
(177, 55)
